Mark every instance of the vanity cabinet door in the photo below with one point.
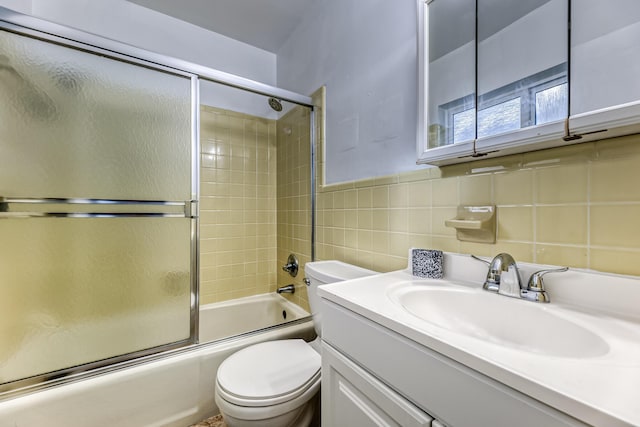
(605, 89)
(352, 397)
(428, 380)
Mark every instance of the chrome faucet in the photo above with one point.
(503, 277)
(289, 289)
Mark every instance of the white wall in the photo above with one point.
(22, 6)
(145, 28)
(138, 26)
(365, 52)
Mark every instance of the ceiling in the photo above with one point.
(261, 23)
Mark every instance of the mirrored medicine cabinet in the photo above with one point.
(500, 77)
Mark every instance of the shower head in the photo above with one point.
(275, 104)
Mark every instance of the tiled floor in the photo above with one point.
(216, 421)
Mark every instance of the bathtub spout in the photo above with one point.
(289, 289)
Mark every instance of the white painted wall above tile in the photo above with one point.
(365, 53)
(138, 26)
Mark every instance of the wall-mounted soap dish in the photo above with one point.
(474, 224)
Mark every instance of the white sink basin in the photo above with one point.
(523, 325)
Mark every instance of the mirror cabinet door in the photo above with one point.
(605, 64)
(451, 72)
(522, 64)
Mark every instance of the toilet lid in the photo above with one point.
(269, 373)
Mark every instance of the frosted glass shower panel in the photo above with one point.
(76, 291)
(90, 126)
(96, 219)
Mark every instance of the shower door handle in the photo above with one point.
(189, 209)
(28, 215)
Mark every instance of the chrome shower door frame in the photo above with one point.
(59, 34)
(53, 33)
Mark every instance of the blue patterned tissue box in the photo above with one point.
(426, 263)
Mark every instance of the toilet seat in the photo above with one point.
(269, 373)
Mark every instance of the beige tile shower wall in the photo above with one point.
(237, 205)
(294, 198)
(577, 206)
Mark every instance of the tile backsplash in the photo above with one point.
(575, 205)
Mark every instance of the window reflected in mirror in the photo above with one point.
(535, 100)
(522, 64)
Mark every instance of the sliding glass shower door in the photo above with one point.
(98, 219)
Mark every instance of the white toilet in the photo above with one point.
(276, 383)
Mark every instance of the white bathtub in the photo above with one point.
(224, 319)
(172, 391)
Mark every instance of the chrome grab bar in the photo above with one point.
(189, 208)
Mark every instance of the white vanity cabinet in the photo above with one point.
(374, 376)
(353, 397)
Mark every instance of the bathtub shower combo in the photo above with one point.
(100, 220)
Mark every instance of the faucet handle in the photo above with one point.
(480, 259)
(535, 288)
(291, 266)
(535, 281)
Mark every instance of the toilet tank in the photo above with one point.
(321, 273)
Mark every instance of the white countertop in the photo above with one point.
(602, 391)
